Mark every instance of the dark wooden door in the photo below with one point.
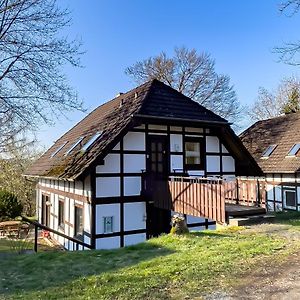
(158, 220)
(157, 156)
(45, 210)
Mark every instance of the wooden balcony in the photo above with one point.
(213, 199)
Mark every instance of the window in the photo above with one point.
(107, 224)
(289, 198)
(61, 213)
(269, 151)
(58, 149)
(74, 145)
(78, 221)
(91, 141)
(193, 153)
(294, 150)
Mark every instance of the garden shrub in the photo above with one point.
(10, 207)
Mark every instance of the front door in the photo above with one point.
(158, 220)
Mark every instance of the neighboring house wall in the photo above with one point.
(71, 193)
(119, 180)
(282, 192)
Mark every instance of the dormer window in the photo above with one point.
(91, 141)
(74, 145)
(268, 151)
(294, 150)
(58, 149)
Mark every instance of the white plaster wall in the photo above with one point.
(212, 163)
(228, 164)
(87, 217)
(176, 143)
(212, 144)
(107, 186)
(107, 210)
(176, 128)
(224, 150)
(134, 163)
(196, 173)
(288, 178)
(270, 206)
(193, 219)
(67, 209)
(176, 162)
(72, 211)
(134, 141)
(108, 243)
(132, 186)
(132, 239)
(193, 129)
(157, 127)
(270, 193)
(278, 193)
(134, 216)
(117, 147)
(111, 164)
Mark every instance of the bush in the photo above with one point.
(179, 225)
(10, 207)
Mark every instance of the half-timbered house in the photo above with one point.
(97, 181)
(275, 144)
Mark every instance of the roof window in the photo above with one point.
(91, 141)
(268, 151)
(74, 146)
(58, 149)
(294, 150)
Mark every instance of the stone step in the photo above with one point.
(251, 220)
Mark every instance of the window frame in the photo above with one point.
(264, 156)
(293, 155)
(291, 190)
(193, 139)
(92, 139)
(61, 223)
(77, 233)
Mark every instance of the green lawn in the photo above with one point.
(168, 267)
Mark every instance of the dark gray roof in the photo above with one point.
(153, 99)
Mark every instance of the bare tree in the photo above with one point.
(33, 88)
(289, 53)
(194, 75)
(270, 104)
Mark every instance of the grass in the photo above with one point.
(8, 246)
(168, 267)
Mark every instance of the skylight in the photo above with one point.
(74, 145)
(294, 150)
(91, 141)
(58, 149)
(269, 151)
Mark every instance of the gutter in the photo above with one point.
(47, 177)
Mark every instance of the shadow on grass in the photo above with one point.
(215, 234)
(41, 271)
(288, 217)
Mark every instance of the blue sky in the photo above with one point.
(239, 35)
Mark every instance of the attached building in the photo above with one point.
(275, 144)
(94, 183)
